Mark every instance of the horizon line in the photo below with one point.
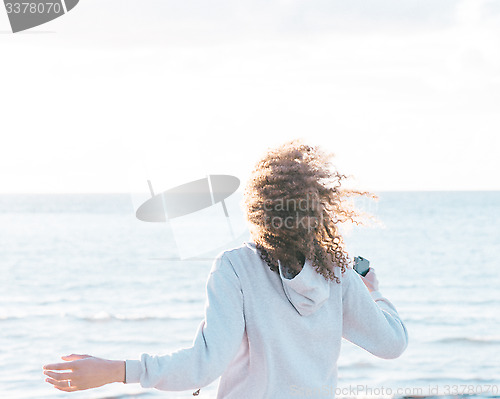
(240, 191)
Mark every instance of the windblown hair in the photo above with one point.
(294, 203)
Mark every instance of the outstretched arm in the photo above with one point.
(217, 341)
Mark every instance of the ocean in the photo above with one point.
(80, 274)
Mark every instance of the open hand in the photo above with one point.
(81, 372)
(370, 280)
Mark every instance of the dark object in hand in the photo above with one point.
(361, 265)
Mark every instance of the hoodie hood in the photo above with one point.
(307, 291)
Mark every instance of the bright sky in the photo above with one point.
(406, 94)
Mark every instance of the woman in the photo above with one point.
(278, 306)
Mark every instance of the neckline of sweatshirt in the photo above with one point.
(307, 291)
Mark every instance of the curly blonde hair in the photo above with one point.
(294, 203)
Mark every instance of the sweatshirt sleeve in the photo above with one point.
(370, 320)
(216, 342)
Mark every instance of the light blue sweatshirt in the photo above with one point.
(271, 337)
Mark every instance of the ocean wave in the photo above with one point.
(486, 340)
(442, 321)
(24, 316)
(105, 316)
(129, 396)
(102, 316)
(437, 321)
(9, 317)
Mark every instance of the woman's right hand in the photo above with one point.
(85, 372)
(370, 280)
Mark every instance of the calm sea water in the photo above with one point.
(79, 274)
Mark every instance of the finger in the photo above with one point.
(59, 376)
(62, 385)
(74, 357)
(58, 366)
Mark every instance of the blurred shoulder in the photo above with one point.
(350, 279)
(236, 257)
